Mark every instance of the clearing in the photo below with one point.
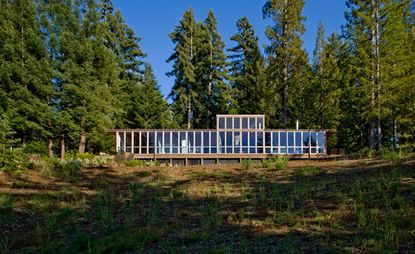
(347, 206)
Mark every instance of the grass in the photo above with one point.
(308, 207)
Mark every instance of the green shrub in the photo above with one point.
(83, 156)
(96, 162)
(267, 163)
(67, 170)
(13, 161)
(134, 163)
(281, 163)
(366, 152)
(246, 164)
(395, 155)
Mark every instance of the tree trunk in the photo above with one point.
(82, 143)
(63, 147)
(189, 110)
(50, 147)
(377, 78)
(285, 70)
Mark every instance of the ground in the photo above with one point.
(346, 206)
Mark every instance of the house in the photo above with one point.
(235, 137)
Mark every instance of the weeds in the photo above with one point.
(134, 163)
(246, 164)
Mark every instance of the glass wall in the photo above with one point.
(237, 122)
(226, 141)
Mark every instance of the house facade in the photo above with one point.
(235, 137)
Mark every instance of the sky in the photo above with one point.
(153, 20)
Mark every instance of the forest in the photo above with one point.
(69, 70)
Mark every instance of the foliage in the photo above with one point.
(395, 155)
(134, 163)
(280, 163)
(36, 147)
(67, 170)
(13, 161)
(246, 164)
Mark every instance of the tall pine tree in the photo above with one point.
(288, 66)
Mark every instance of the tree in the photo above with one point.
(248, 75)
(149, 109)
(211, 73)
(324, 94)
(124, 44)
(288, 67)
(184, 91)
(25, 77)
(379, 32)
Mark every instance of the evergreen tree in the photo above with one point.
(324, 94)
(288, 70)
(210, 74)
(184, 91)
(149, 109)
(123, 43)
(24, 71)
(252, 95)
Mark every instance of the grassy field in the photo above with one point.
(353, 206)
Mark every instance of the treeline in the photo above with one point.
(71, 69)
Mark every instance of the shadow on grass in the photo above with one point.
(310, 210)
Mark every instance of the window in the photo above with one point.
(244, 123)
(251, 123)
(237, 123)
(229, 123)
(260, 123)
(221, 123)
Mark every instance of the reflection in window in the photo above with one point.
(260, 123)
(283, 140)
(290, 139)
(244, 138)
(221, 123)
(313, 139)
(229, 123)
(306, 138)
(298, 139)
(251, 123)
(244, 123)
(268, 139)
(275, 138)
(237, 138)
(236, 123)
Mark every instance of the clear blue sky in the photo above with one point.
(152, 20)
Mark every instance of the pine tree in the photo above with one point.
(184, 91)
(324, 94)
(379, 32)
(288, 68)
(124, 44)
(252, 95)
(24, 71)
(149, 109)
(211, 73)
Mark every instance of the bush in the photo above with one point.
(267, 163)
(84, 156)
(394, 155)
(366, 152)
(67, 170)
(13, 161)
(246, 164)
(96, 162)
(134, 163)
(281, 163)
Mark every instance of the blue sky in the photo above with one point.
(152, 20)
